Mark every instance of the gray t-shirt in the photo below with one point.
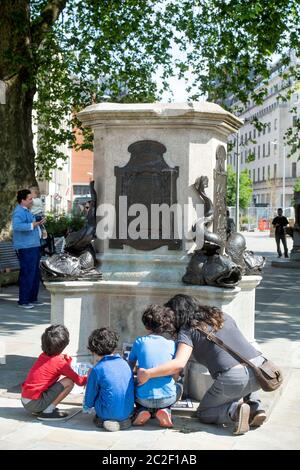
(212, 356)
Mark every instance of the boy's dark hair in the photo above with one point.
(103, 341)
(54, 339)
(159, 319)
(22, 194)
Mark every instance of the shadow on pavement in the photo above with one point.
(14, 318)
(278, 305)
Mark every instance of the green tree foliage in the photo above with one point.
(297, 186)
(61, 224)
(94, 49)
(245, 188)
(230, 45)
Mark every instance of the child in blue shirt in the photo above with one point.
(156, 396)
(110, 387)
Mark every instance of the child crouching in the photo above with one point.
(156, 396)
(42, 389)
(110, 387)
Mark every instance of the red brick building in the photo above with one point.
(81, 171)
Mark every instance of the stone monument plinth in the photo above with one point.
(150, 154)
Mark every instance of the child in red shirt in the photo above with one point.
(42, 389)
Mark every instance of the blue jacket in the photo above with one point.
(110, 389)
(151, 351)
(23, 234)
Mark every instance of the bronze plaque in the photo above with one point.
(147, 180)
(220, 181)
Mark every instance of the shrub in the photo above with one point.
(60, 224)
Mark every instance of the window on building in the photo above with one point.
(258, 152)
(81, 190)
(250, 134)
(253, 175)
(295, 119)
(263, 173)
(269, 149)
(275, 170)
(254, 133)
(264, 130)
(269, 127)
(264, 150)
(242, 157)
(258, 174)
(294, 170)
(269, 172)
(275, 124)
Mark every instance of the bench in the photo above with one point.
(9, 264)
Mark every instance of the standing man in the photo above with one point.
(280, 222)
(27, 242)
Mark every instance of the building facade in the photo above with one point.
(82, 172)
(264, 153)
(69, 182)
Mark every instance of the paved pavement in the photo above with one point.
(277, 332)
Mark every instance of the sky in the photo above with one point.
(178, 90)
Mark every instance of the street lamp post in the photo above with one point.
(283, 172)
(237, 201)
(283, 180)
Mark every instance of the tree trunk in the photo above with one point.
(16, 147)
(17, 74)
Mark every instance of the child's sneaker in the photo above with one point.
(114, 426)
(141, 418)
(164, 417)
(56, 415)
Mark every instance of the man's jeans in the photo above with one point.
(228, 388)
(158, 403)
(281, 237)
(29, 279)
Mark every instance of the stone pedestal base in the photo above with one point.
(295, 252)
(83, 306)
